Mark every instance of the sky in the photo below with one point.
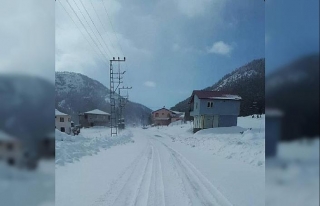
(171, 47)
(27, 38)
(292, 31)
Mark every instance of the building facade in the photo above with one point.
(165, 116)
(62, 122)
(214, 109)
(94, 118)
(10, 149)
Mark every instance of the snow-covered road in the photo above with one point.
(158, 169)
(159, 175)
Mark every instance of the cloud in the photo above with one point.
(150, 84)
(27, 38)
(194, 8)
(221, 48)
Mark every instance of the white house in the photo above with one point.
(62, 122)
(10, 149)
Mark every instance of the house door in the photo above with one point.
(216, 121)
(63, 129)
(208, 121)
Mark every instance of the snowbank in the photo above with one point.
(221, 130)
(295, 173)
(88, 142)
(178, 122)
(245, 142)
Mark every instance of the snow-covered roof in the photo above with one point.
(97, 111)
(5, 137)
(203, 94)
(227, 96)
(57, 112)
(161, 118)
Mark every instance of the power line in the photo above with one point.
(86, 29)
(102, 58)
(103, 26)
(96, 27)
(105, 9)
(112, 27)
(89, 26)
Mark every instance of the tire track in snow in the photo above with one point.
(199, 188)
(130, 192)
(118, 184)
(156, 188)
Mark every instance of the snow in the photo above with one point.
(227, 96)
(166, 165)
(5, 137)
(295, 173)
(97, 111)
(28, 188)
(72, 148)
(58, 113)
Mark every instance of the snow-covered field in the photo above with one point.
(163, 166)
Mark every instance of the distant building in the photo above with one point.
(214, 109)
(177, 116)
(10, 149)
(62, 122)
(273, 130)
(94, 118)
(165, 116)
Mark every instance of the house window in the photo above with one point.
(61, 119)
(210, 104)
(63, 129)
(157, 114)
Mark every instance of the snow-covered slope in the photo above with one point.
(78, 93)
(247, 81)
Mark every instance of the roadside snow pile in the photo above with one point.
(238, 143)
(72, 148)
(295, 173)
(221, 130)
(178, 122)
(245, 142)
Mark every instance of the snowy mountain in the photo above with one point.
(78, 93)
(294, 89)
(26, 108)
(247, 81)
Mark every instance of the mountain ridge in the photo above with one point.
(76, 92)
(247, 81)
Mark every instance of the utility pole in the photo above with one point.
(115, 81)
(122, 103)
